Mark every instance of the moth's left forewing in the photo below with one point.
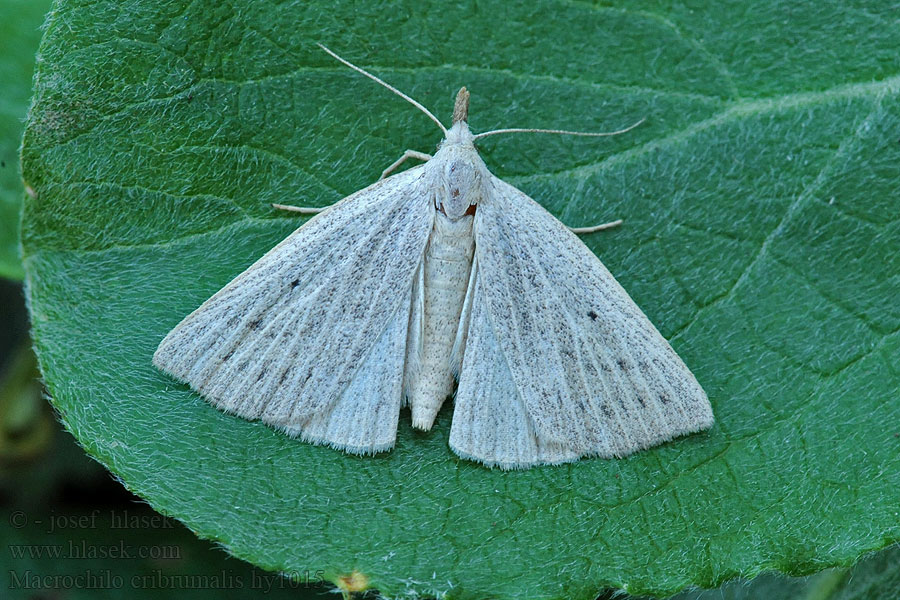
(591, 373)
(312, 337)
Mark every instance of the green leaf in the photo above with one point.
(56, 545)
(19, 36)
(761, 237)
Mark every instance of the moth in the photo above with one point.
(437, 274)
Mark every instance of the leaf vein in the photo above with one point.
(788, 215)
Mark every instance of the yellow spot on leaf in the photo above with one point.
(354, 582)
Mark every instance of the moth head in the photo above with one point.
(459, 173)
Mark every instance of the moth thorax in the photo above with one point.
(462, 189)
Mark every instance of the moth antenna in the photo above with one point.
(562, 131)
(388, 86)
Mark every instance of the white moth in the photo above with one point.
(442, 271)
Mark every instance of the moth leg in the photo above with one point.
(312, 211)
(402, 159)
(594, 228)
(306, 210)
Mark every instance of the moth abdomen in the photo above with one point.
(447, 265)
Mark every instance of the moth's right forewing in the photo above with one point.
(589, 370)
(491, 422)
(311, 338)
